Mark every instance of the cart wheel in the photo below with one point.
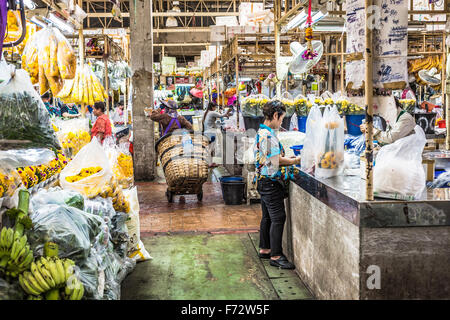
(169, 195)
(200, 196)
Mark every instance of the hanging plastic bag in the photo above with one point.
(293, 126)
(136, 249)
(330, 148)
(91, 155)
(398, 171)
(23, 115)
(312, 138)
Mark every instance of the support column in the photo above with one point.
(141, 44)
(369, 106)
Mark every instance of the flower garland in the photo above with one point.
(309, 53)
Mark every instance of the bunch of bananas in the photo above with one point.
(84, 173)
(15, 253)
(50, 277)
(84, 89)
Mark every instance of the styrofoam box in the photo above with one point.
(226, 21)
(246, 8)
(218, 33)
(234, 30)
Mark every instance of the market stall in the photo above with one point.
(384, 218)
(68, 205)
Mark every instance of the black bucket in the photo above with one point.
(232, 189)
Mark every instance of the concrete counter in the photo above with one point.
(344, 246)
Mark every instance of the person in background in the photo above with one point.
(102, 126)
(271, 173)
(119, 114)
(403, 127)
(50, 108)
(170, 120)
(70, 111)
(210, 117)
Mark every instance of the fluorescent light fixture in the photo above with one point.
(297, 20)
(62, 25)
(329, 28)
(38, 22)
(300, 19)
(28, 3)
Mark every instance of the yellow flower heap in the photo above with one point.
(7, 184)
(123, 170)
(33, 175)
(73, 141)
(114, 191)
(84, 173)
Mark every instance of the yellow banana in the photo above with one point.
(39, 278)
(26, 287)
(61, 271)
(32, 282)
(45, 274)
(51, 267)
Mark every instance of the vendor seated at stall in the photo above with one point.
(210, 117)
(403, 127)
(170, 120)
(272, 174)
(70, 110)
(50, 108)
(119, 114)
(102, 126)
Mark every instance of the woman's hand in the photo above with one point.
(363, 128)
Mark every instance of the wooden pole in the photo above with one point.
(106, 77)
(217, 75)
(342, 66)
(81, 53)
(237, 90)
(447, 108)
(277, 54)
(369, 106)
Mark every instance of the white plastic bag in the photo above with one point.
(136, 248)
(329, 157)
(312, 136)
(91, 155)
(398, 171)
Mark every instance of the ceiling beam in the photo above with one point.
(166, 14)
(178, 30)
(196, 44)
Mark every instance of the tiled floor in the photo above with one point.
(157, 215)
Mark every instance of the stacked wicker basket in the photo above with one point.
(185, 171)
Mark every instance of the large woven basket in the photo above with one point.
(187, 171)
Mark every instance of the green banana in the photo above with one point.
(28, 259)
(74, 294)
(68, 268)
(26, 286)
(32, 281)
(9, 238)
(16, 235)
(61, 271)
(51, 266)
(39, 278)
(21, 255)
(45, 274)
(19, 246)
(81, 292)
(3, 237)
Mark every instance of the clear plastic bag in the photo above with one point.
(57, 196)
(23, 115)
(398, 171)
(136, 249)
(70, 228)
(311, 139)
(329, 157)
(30, 59)
(289, 139)
(443, 181)
(91, 155)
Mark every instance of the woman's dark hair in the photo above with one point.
(211, 106)
(273, 107)
(46, 95)
(100, 105)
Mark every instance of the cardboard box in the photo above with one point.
(233, 31)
